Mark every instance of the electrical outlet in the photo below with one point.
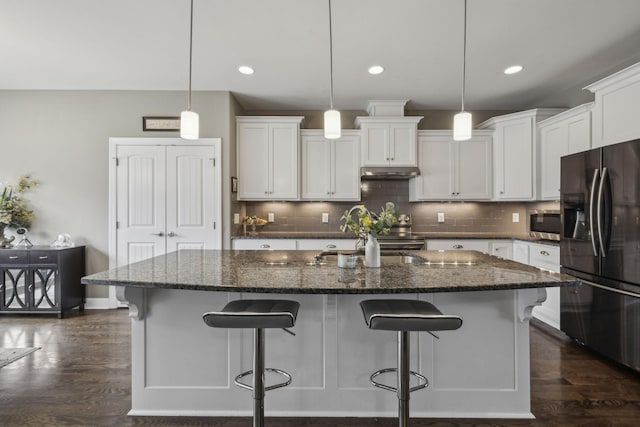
(515, 217)
(440, 217)
(325, 217)
(236, 218)
(271, 217)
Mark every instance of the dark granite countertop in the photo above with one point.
(430, 235)
(294, 272)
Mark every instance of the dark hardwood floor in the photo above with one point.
(81, 377)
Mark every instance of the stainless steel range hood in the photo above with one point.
(387, 172)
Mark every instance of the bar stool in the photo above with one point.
(257, 315)
(403, 316)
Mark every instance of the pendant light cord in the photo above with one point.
(330, 59)
(464, 53)
(190, 55)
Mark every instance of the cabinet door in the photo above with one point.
(191, 190)
(436, 163)
(513, 157)
(141, 201)
(375, 144)
(473, 169)
(44, 288)
(13, 288)
(579, 133)
(553, 145)
(402, 144)
(345, 170)
(253, 161)
(521, 252)
(502, 249)
(283, 164)
(316, 167)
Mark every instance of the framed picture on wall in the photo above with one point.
(160, 124)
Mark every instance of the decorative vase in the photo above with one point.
(4, 241)
(372, 252)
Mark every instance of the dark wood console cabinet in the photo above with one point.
(41, 279)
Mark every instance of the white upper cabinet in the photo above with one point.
(617, 107)
(267, 150)
(565, 133)
(452, 170)
(388, 141)
(515, 153)
(330, 168)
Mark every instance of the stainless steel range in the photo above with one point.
(400, 237)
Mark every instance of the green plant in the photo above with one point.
(368, 222)
(13, 208)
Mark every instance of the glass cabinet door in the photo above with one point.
(44, 287)
(13, 288)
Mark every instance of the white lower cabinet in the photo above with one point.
(326, 244)
(502, 248)
(521, 252)
(264, 244)
(458, 244)
(547, 257)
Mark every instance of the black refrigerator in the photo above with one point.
(600, 244)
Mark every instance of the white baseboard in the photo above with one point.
(98, 304)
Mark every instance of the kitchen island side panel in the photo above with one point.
(181, 367)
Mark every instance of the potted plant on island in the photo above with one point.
(368, 226)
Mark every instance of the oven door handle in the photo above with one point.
(594, 226)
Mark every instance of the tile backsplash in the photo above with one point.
(460, 217)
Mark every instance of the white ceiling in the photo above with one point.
(143, 45)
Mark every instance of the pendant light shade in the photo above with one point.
(462, 120)
(189, 120)
(332, 123)
(462, 126)
(189, 125)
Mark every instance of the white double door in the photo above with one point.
(167, 197)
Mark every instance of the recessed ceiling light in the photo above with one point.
(245, 69)
(513, 69)
(376, 69)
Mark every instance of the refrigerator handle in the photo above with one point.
(594, 225)
(600, 224)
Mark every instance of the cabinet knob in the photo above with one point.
(501, 192)
(13, 257)
(393, 158)
(171, 234)
(266, 192)
(330, 246)
(43, 257)
(265, 246)
(159, 234)
(458, 246)
(545, 253)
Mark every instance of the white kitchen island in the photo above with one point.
(182, 367)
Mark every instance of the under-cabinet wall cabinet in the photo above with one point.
(330, 167)
(515, 143)
(41, 280)
(267, 152)
(565, 133)
(452, 170)
(388, 141)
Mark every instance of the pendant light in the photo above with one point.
(462, 120)
(189, 120)
(332, 125)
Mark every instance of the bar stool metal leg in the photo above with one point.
(403, 378)
(258, 377)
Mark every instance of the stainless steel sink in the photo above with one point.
(395, 257)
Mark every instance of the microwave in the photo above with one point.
(545, 224)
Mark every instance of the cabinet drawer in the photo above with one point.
(544, 256)
(264, 244)
(43, 257)
(326, 244)
(14, 257)
(458, 244)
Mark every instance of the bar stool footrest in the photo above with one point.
(271, 387)
(424, 381)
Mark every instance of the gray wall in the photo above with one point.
(62, 139)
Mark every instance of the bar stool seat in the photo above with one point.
(257, 314)
(403, 316)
